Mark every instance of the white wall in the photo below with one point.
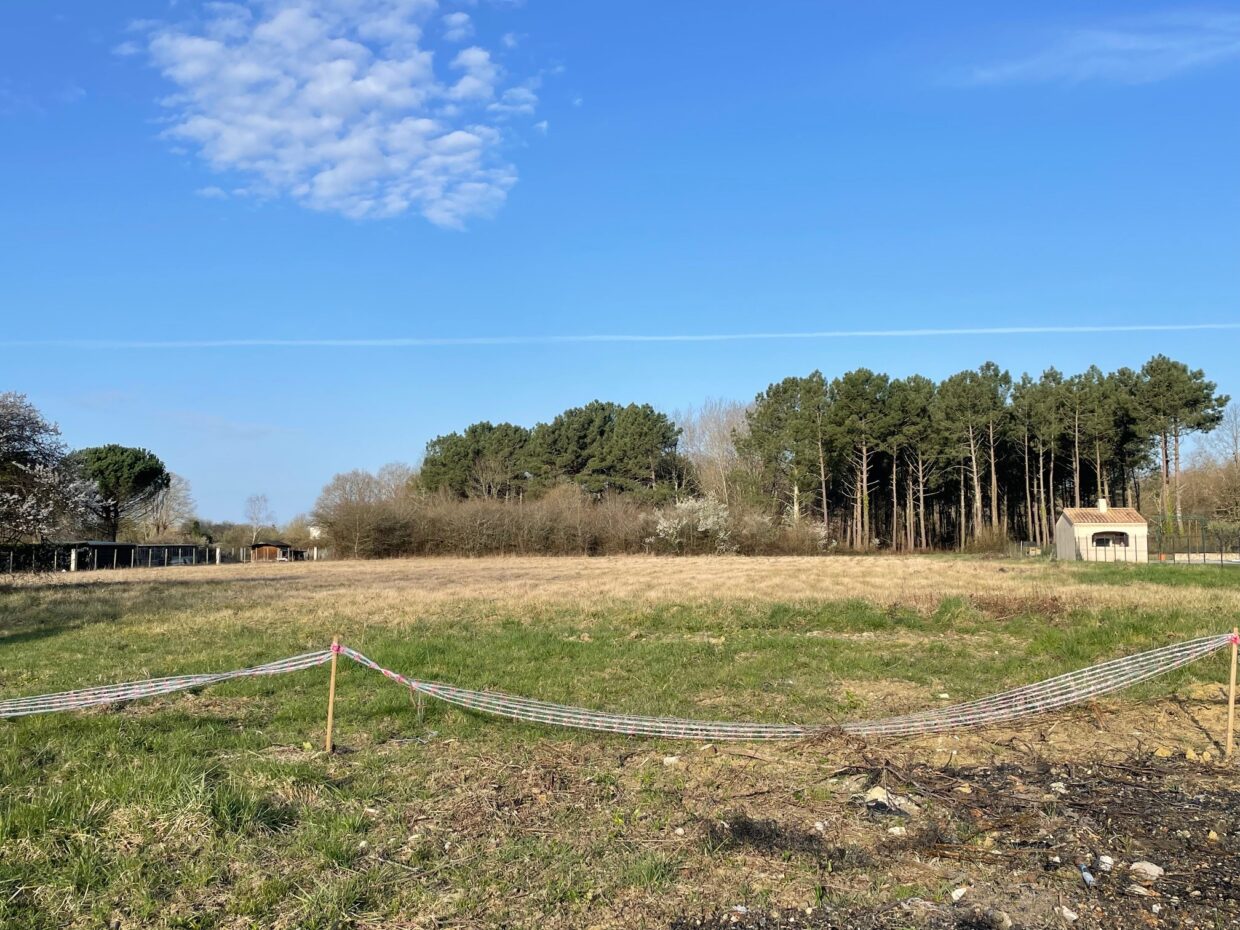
(1074, 543)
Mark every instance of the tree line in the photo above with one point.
(603, 447)
(909, 463)
(49, 491)
(861, 461)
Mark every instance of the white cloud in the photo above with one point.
(1139, 51)
(338, 105)
(457, 27)
(510, 40)
(212, 192)
(541, 126)
(516, 101)
(481, 73)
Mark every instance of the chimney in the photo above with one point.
(1102, 505)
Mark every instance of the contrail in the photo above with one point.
(435, 341)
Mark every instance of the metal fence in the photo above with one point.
(106, 556)
(1198, 545)
(84, 557)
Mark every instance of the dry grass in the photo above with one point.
(916, 582)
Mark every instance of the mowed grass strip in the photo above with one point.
(207, 809)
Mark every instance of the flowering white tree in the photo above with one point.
(694, 524)
(46, 502)
(39, 494)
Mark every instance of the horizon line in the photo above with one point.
(448, 341)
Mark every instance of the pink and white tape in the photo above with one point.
(150, 687)
(1051, 694)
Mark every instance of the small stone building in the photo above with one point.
(1102, 534)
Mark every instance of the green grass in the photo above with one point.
(207, 810)
(1208, 576)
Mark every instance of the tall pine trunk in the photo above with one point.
(921, 496)
(822, 483)
(994, 479)
(866, 526)
(1099, 477)
(1076, 459)
(963, 517)
(895, 504)
(910, 523)
(1029, 526)
(1050, 490)
(1165, 474)
(1179, 510)
(975, 474)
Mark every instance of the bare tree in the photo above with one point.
(346, 509)
(258, 514)
(1224, 442)
(172, 506)
(708, 438)
(395, 480)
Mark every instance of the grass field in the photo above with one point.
(217, 809)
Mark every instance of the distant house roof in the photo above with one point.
(1079, 515)
(271, 542)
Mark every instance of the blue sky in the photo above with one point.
(342, 170)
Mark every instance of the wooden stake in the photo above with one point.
(1231, 695)
(331, 695)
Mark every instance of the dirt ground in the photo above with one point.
(959, 842)
(1019, 844)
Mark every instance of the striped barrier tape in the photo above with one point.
(133, 690)
(1052, 694)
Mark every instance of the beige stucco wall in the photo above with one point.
(1073, 543)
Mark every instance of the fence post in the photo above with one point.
(73, 560)
(1231, 694)
(331, 694)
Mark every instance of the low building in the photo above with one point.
(90, 554)
(1102, 534)
(273, 550)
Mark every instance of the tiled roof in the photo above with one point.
(1080, 515)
